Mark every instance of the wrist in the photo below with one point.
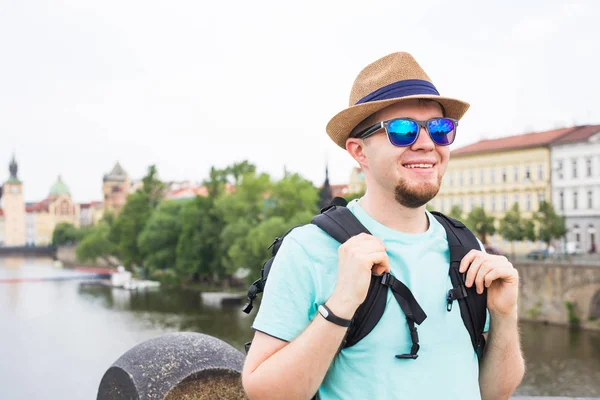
(510, 315)
(342, 306)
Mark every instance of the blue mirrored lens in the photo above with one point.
(402, 132)
(442, 131)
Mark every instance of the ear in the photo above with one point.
(355, 148)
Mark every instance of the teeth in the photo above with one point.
(419, 165)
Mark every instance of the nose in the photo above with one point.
(423, 141)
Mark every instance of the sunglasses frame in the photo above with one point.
(422, 125)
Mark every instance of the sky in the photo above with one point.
(187, 85)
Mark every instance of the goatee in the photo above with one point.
(415, 197)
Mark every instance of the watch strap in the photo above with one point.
(331, 317)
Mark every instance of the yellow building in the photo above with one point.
(42, 217)
(497, 173)
(357, 183)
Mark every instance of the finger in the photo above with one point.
(506, 274)
(481, 274)
(467, 260)
(473, 269)
(379, 262)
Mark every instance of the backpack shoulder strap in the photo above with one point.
(339, 223)
(472, 304)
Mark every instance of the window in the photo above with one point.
(451, 178)
(504, 202)
(575, 200)
(527, 173)
(481, 175)
(481, 202)
(516, 174)
(588, 166)
(492, 175)
(590, 199)
(472, 203)
(541, 197)
(540, 172)
(493, 203)
(504, 175)
(516, 199)
(562, 200)
(471, 177)
(559, 169)
(528, 202)
(460, 178)
(574, 165)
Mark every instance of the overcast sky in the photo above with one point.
(190, 84)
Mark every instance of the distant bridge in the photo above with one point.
(567, 294)
(32, 251)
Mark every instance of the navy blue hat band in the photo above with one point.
(404, 88)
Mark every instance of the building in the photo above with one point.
(496, 173)
(357, 183)
(116, 186)
(13, 208)
(57, 207)
(90, 213)
(576, 184)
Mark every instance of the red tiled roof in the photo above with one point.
(535, 139)
(83, 206)
(38, 207)
(581, 134)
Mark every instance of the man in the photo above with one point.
(294, 354)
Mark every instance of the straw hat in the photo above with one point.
(393, 78)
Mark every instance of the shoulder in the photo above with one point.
(310, 239)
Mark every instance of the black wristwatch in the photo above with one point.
(331, 317)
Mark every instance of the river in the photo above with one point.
(58, 338)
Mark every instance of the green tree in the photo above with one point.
(290, 196)
(133, 217)
(456, 212)
(199, 249)
(64, 233)
(356, 195)
(159, 237)
(96, 244)
(238, 170)
(511, 227)
(550, 225)
(215, 183)
(480, 223)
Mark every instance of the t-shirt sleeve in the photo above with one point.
(288, 302)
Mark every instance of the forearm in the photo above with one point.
(502, 366)
(298, 369)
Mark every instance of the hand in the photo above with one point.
(358, 257)
(498, 275)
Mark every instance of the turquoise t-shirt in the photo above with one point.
(304, 275)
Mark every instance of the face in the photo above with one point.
(412, 174)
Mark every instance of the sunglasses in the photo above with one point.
(404, 132)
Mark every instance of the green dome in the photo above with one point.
(59, 188)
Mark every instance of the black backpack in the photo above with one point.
(339, 222)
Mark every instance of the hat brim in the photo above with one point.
(342, 124)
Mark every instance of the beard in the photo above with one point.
(416, 196)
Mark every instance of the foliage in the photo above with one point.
(356, 195)
(456, 212)
(96, 244)
(158, 240)
(550, 225)
(64, 233)
(480, 223)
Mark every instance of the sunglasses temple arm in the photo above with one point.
(371, 130)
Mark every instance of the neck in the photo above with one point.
(387, 211)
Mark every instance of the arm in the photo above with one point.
(275, 369)
(502, 365)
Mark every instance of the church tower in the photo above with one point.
(13, 207)
(325, 194)
(115, 187)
